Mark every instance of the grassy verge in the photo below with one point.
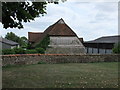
(69, 75)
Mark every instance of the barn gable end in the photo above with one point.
(63, 40)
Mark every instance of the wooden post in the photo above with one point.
(87, 49)
(92, 50)
(105, 51)
(98, 47)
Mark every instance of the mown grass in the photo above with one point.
(69, 75)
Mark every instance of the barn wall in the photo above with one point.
(90, 50)
(65, 41)
(65, 45)
(56, 58)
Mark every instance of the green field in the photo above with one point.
(69, 75)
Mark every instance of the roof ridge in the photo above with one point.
(35, 32)
(106, 37)
(61, 21)
(111, 36)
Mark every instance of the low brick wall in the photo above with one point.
(56, 58)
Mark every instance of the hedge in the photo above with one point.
(8, 51)
(19, 51)
(40, 50)
(31, 51)
(22, 51)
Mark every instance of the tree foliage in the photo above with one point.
(116, 48)
(44, 43)
(21, 40)
(8, 51)
(14, 13)
(19, 50)
(22, 51)
(12, 36)
(40, 50)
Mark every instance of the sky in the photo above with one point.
(89, 20)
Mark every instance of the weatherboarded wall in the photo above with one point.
(65, 45)
(56, 58)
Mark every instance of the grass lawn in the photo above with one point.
(69, 75)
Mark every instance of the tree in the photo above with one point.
(24, 42)
(14, 13)
(21, 40)
(116, 48)
(12, 36)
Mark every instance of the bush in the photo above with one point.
(8, 51)
(32, 51)
(19, 50)
(116, 48)
(41, 62)
(29, 46)
(44, 43)
(40, 50)
(22, 51)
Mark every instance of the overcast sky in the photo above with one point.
(89, 20)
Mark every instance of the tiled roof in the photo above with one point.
(6, 41)
(106, 39)
(61, 30)
(33, 36)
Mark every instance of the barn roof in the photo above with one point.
(33, 36)
(9, 42)
(60, 28)
(106, 39)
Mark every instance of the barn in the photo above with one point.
(63, 40)
(102, 45)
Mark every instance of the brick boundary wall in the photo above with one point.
(20, 59)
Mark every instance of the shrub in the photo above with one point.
(44, 43)
(29, 46)
(19, 50)
(31, 51)
(116, 48)
(40, 50)
(8, 51)
(41, 62)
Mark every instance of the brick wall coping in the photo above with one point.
(12, 55)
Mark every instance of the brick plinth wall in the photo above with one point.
(56, 58)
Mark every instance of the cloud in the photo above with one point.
(89, 20)
(94, 0)
(107, 7)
